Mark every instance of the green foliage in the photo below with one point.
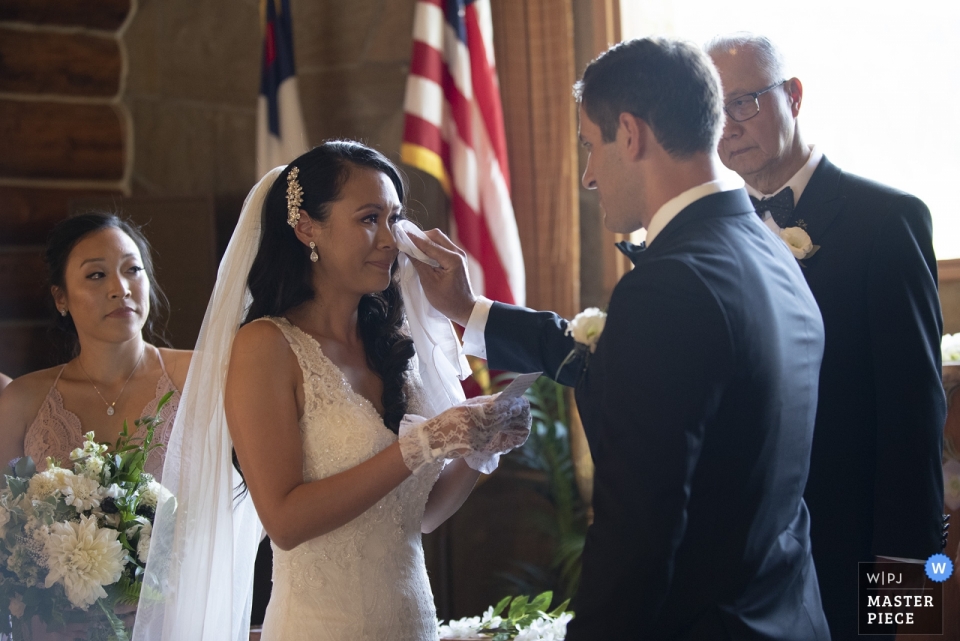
(521, 611)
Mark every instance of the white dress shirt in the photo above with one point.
(797, 183)
(474, 343)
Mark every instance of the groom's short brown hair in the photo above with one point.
(670, 84)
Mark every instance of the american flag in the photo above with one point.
(280, 132)
(454, 131)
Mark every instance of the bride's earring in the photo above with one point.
(63, 312)
(313, 252)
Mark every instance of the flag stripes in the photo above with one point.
(454, 131)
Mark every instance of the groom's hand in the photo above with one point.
(447, 286)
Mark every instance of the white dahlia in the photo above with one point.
(48, 483)
(82, 492)
(83, 558)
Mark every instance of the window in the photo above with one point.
(881, 83)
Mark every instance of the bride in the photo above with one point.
(321, 391)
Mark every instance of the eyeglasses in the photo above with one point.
(747, 106)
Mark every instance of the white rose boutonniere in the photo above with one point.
(586, 328)
(950, 348)
(798, 240)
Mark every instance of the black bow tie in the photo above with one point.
(630, 250)
(779, 205)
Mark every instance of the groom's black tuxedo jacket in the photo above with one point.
(698, 405)
(875, 486)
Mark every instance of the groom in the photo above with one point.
(700, 399)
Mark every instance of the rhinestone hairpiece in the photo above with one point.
(294, 197)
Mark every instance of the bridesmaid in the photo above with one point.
(102, 282)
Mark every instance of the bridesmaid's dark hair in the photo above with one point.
(71, 231)
(280, 276)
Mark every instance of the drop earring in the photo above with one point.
(313, 252)
(63, 312)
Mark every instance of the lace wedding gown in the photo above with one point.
(365, 580)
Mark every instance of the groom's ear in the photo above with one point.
(632, 134)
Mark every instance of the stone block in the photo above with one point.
(210, 51)
(145, 48)
(192, 148)
(236, 152)
(357, 102)
(332, 34)
(28, 214)
(58, 63)
(56, 140)
(392, 37)
(101, 14)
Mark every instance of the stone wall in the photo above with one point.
(194, 73)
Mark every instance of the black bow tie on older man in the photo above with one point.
(780, 206)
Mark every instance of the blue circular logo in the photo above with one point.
(939, 567)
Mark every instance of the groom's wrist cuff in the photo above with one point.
(474, 343)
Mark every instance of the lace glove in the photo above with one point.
(480, 425)
(487, 459)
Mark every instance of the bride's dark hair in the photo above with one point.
(280, 276)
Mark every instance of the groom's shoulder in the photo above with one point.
(671, 275)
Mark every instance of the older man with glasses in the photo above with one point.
(875, 487)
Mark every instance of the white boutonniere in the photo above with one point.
(586, 328)
(798, 241)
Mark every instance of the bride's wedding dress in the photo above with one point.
(366, 580)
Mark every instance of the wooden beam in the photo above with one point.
(58, 140)
(28, 214)
(99, 14)
(71, 64)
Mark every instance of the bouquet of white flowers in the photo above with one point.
(513, 619)
(72, 539)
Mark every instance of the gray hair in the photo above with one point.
(769, 57)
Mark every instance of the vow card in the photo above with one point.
(519, 385)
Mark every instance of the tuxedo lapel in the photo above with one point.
(821, 201)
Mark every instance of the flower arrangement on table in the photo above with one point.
(513, 619)
(74, 542)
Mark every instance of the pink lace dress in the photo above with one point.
(56, 431)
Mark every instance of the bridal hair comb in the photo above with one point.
(294, 197)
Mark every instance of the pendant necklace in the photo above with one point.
(110, 406)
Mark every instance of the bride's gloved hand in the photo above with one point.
(478, 425)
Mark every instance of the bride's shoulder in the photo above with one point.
(261, 334)
(262, 347)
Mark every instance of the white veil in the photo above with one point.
(198, 583)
